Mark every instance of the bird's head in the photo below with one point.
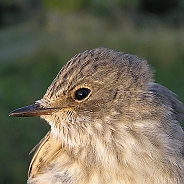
(92, 92)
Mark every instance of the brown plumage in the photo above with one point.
(110, 124)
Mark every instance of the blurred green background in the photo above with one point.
(38, 36)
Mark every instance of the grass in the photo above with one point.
(31, 55)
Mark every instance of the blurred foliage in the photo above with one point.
(170, 11)
(159, 7)
(16, 11)
(69, 5)
(98, 5)
(31, 54)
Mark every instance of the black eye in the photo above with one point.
(82, 93)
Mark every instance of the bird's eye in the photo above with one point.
(82, 93)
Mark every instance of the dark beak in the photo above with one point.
(32, 110)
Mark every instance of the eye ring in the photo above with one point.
(82, 93)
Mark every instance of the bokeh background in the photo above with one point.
(38, 36)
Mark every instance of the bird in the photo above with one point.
(110, 123)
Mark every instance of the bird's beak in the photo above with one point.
(32, 110)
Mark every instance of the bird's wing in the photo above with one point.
(46, 149)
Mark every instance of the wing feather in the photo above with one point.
(46, 149)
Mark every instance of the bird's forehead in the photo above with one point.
(88, 66)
